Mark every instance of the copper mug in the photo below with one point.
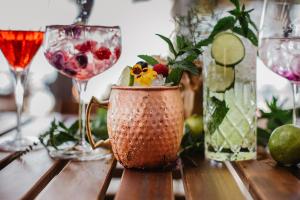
(145, 125)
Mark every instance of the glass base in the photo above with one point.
(80, 153)
(22, 144)
(223, 156)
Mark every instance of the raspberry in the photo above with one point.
(117, 52)
(102, 53)
(161, 69)
(89, 45)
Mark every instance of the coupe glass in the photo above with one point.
(81, 52)
(280, 42)
(19, 47)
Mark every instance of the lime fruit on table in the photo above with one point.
(195, 123)
(284, 144)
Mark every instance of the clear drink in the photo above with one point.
(82, 52)
(230, 99)
(282, 55)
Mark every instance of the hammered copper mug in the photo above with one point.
(145, 125)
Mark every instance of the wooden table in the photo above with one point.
(36, 175)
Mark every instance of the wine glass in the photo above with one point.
(279, 47)
(19, 47)
(81, 52)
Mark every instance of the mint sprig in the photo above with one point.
(218, 111)
(183, 53)
(59, 133)
(239, 22)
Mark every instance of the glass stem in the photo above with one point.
(296, 94)
(19, 98)
(81, 87)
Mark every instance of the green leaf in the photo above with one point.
(244, 24)
(218, 110)
(223, 24)
(187, 66)
(236, 4)
(171, 47)
(204, 42)
(62, 137)
(149, 59)
(174, 76)
(250, 35)
(180, 42)
(250, 21)
(74, 127)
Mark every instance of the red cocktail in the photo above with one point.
(19, 47)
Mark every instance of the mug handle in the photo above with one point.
(101, 143)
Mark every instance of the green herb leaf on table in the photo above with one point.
(191, 145)
(275, 117)
(59, 134)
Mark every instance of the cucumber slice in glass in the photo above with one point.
(227, 49)
(126, 79)
(219, 78)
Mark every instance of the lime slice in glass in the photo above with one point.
(219, 78)
(227, 49)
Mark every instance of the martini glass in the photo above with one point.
(19, 47)
(280, 43)
(81, 52)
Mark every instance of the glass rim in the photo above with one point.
(118, 87)
(57, 26)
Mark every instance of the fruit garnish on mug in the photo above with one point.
(152, 72)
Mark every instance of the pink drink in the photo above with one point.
(282, 55)
(80, 52)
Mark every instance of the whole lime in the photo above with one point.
(284, 144)
(195, 123)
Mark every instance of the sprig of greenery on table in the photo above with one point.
(59, 133)
(183, 53)
(238, 22)
(275, 117)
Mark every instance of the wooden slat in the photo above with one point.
(136, 185)
(9, 123)
(80, 180)
(265, 180)
(209, 181)
(33, 128)
(25, 177)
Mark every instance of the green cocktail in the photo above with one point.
(230, 98)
